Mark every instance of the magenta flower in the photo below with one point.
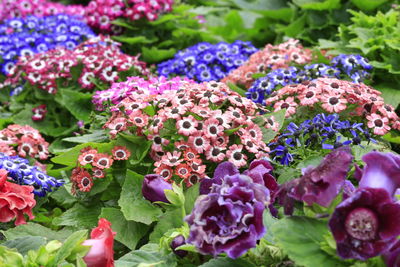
(229, 218)
(392, 257)
(382, 170)
(153, 188)
(366, 224)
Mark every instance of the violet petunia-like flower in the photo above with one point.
(223, 169)
(382, 170)
(320, 184)
(392, 256)
(229, 218)
(153, 188)
(366, 224)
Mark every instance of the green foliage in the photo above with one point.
(79, 216)
(145, 258)
(227, 262)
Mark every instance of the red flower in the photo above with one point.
(15, 200)
(101, 253)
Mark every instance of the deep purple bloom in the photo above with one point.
(176, 242)
(382, 170)
(392, 257)
(320, 184)
(229, 218)
(223, 169)
(366, 224)
(153, 188)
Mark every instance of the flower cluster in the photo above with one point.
(32, 35)
(207, 62)
(100, 57)
(24, 141)
(122, 90)
(39, 112)
(192, 125)
(92, 164)
(228, 219)
(335, 96)
(100, 13)
(323, 131)
(271, 57)
(15, 200)
(263, 87)
(22, 173)
(22, 8)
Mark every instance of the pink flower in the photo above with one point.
(187, 125)
(334, 103)
(378, 123)
(101, 253)
(287, 104)
(236, 156)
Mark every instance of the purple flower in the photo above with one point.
(392, 257)
(153, 188)
(382, 170)
(178, 241)
(229, 218)
(366, 224)
(320, 184)
(223, 169)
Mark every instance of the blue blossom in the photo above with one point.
(322, 131)
(23, 173)
(206, 62)
(31, 35)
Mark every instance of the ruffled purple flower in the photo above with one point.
(318, 185)
(229, 219)
(153, 188)
(392, 257)
(382, 170)
(366, 224)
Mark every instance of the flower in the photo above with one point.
(381, 170)
(176, 242)
(364, 225)
(392, 256)
(318, 185)
(15, 200)
(101, 253)
(229, 218)
(120, 153)
(153, 188)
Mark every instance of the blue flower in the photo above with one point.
(23, 173)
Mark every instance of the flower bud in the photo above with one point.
(153, 188)
(178, 241)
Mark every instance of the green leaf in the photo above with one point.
(26, 243)
(134, 40)
(155, 55)
(303, 243)
(368, 5)
(70, 245)
(313, 160)
(191, 195)
(79, 216)
(237, 89)
(318, 4)
(34, 229)
(79, 104)
(227, 262)
(10, 258)
(392, 137)
(63, 197)
(169, 220)
(390, 93)
(128, 232)
(141, 258)
(133, 205)
(97, 137)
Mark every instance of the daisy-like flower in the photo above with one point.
(138, 118)
(120, 153)
(98, 173)
(378, 123)
(249, 143)
(102, 161)
(212, 129)
(183, 171)
(187, 125)
(287, 104)
(236, 156)
(165, 171)
(215, 154)
(197, 166)
(334, 103)
(198, 142)
(172, 159)
(87, 157)
(84, 181)
(190, 154)
(271, 123)
(308, 98)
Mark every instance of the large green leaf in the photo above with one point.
(318, 4)
(303, 243)
(368, 4)
(132, 203)
(390, 93)
(191, 195)
(227, 262)
(128, 232)
(140, 258)
(169, 220)
(79, 104)
(155, 55)
(34, 229)
(79, 216)
(70, 245)
(134, 40)
(26, 243)
(96, 136)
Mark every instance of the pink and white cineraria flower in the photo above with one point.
(335, 96)
(190, 125)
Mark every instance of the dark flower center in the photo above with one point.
(157, 140)
(165, 173)
(378, 123)
(199, 142)
(89, 158)
(333, 100)
(215, 152)
(85, 181)
(237, 156)
(334, 85)
(120, 154)
(213, 130)
(103, 162)
(186, 125)
(285, 105)
(309, 94)
(362, 224)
